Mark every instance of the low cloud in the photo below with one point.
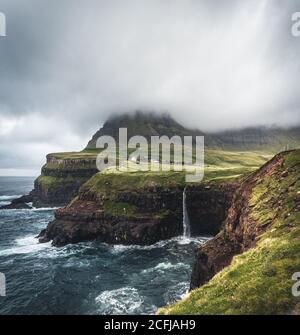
(66, 66)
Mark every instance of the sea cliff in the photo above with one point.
(248, 267)
(138, 208)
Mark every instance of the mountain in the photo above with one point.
(143, 124)
(259, 138)
(271, 139)
(233, 152)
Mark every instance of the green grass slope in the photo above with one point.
(259, 281)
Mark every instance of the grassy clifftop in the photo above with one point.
(65, 172)
(259, 281)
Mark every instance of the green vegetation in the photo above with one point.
(50, 182)
(52, 185)
(85, 154)
(259, 281)
(218, 165)
(128, 210)
(119, 208)
(229, 159)
(112, 181)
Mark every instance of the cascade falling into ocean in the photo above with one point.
(186, 221)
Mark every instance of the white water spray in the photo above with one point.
(186, 221)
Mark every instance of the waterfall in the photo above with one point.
(186, 221)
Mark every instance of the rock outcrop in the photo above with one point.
(61, 178)
(240, 231)
(248, 267)
(137, 208)
(208, 204)
(20, 203)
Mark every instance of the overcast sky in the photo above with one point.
(66, 65)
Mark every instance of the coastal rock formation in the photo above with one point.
(240, 231)
(119, 208)
(207, 205)
(61, 178)
(248, 267)
(137, 208)
(65, 173)
(20, 203)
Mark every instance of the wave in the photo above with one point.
(68, 251)
(25, 245)
(119, 248)
(177, 292)
(183, 240)
(167, 266)
(31, 209)
(9, 197)
(125, 300)
(44, 209)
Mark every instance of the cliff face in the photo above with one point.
(137, 208)
(64, 173)
(241, 229)
(207, 205)
(61, 179)
(248, 267)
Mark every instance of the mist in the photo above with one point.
(66, 66)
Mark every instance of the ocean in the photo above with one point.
(86, 278)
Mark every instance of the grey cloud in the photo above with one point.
(211, 64)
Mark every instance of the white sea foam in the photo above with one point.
(182, 240)
(119, 248)
(125, 300)
(25, 245)
(177, 292)
(9, 197)
(44, 209)
(67, 252)
(179, 239)
(163, 266)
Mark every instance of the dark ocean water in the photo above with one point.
(87, 278)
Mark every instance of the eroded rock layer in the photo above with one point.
(138, 208)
